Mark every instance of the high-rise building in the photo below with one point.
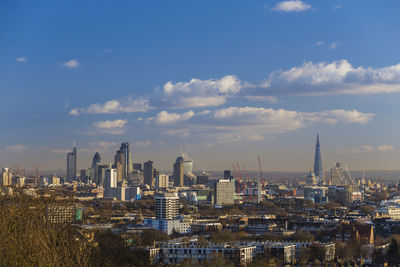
(119, 164)
(178, 173)
(101, 172)
(203, 178)
(318, 162)
(187, 163)
(224, 190)
(128, 159)
(110, 178)
(96, 159)
(162, 181)
(227, 174)
(6, 177)
(148, 169)
(167, 206)
(71, 164)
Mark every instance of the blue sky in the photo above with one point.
(225, 81)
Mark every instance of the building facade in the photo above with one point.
(71, 164)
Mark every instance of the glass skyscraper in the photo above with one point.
(318, 162)
(71, 164)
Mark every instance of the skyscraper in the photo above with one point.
(318, 162)
(128, 168)
(148, 168)
(187, 163)
(178, 173)
(96, 159)
(71, 164)
(119, 164)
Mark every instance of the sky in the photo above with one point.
(224, 81)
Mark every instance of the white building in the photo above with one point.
(110, 178)
(167, 206)
(169, 226)
(6, 177)
(162, 181)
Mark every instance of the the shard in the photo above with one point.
(318, 162)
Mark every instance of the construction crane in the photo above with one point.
(236, 175)
(240, 177)
(261, 177)
(348, 175)
(245, 183)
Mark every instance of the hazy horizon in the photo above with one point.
(224, 81)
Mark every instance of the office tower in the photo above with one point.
(162, 181)
(178, 173)
(128, 159)
(6, 177)
(71, 164)
(203, 178)
(167, 206)
(156, 173)
(101, 172)
(189, 179)
(337, 174)
(318, 162)
(186, 161)
(227, 174)
(119, 164)
(148, 169)
(224, 190)
(110, 178)
(96, 159)
(137, 166)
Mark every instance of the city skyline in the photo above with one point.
(225, 86)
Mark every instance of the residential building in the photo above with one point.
(224, 190)
(61, 213)
(167, 206)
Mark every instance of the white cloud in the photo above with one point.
(366, 149)
(338, 77)
(249, 123)
(319, 43)
(21, 59)
(110, 127)
(17, 148)
(281, 119)
(333, 45)
(106, 51)
(141, 143)
(103, 145)
(124, 105)
(72, 64)
(291, 6)
(201, 93)
(337, 7)
(169, 118)
(385, 148)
